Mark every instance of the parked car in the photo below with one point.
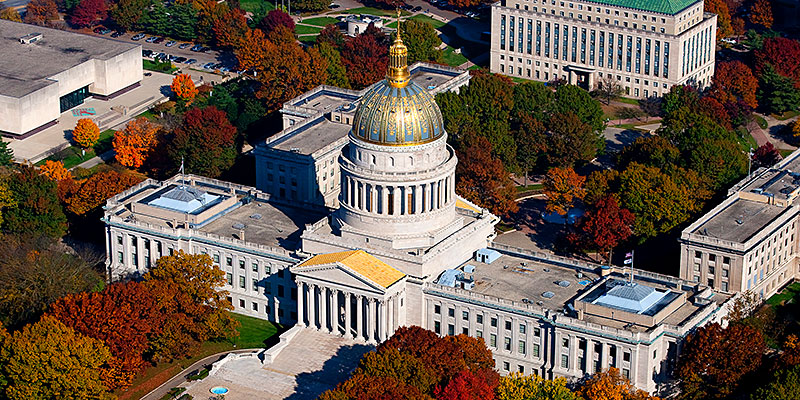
(190, 61)
(138, 36)
(179, 59)
(98, 29)
(197, 47)
(184, 45)
(151, 39)
(159, 40)
(209, 65)
(147, 53)
(170, 43)
(334, 6)
(105, 31)
(117, 34)
(417, 9)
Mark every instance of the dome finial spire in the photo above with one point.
(398, 75)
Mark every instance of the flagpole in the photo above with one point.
(632, 256)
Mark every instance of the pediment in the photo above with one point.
(338, 275)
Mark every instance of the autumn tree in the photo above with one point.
(186, 290)
(402, 366)
(184, 88)
(361, 386)
(517, 386)
(563, 187)
(132, 144)
(36, 272)
(734, 80)
(88, 12)
(206, 141)
(40, 12)
(570, 141)
(337, 75)
(86, 133)
(783, 55)
(10, 14)
(468, 386)
(720, 8)
(761, 13)
(332, 35)
(464, 3)
(482, 178)
(124, 317)
(765, 155)
(310, 5)
(783, 385)
(94, 191)
(54, 170)
(36, 207)
(606, 224)
(366, 57)
(230, 29)
(422, 41)
(611, 385)
(714, 359)
(654, 151)
(127, 13)
(276, 18)
(50, 360)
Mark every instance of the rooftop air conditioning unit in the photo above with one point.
(30, 38)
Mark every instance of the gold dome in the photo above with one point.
(397, 111)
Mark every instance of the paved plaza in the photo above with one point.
(312, 363)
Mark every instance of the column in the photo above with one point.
(362, 195)
(573, 78)
(434, 194)
(343, 190)
(591, 78)
(336, 313)
(359, 317)
(381, 304)
(348, 311)
(390, 313)
(324, 307)
(396, 193)
(301, 320)
(426, 197)
(417, 199)
(384, 199)
(370, 335)
(312, 305)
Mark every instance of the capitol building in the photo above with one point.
(355, 229)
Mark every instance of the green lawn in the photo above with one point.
(785, 152)
(373, 11)
(253, 333)
(71, 156)
(785, 116)
(307, 39)
(424, 18)
(628, 101)
(303, 30)
(788, 293)
(529, 188)
(165, 67)
(320, 21)
(451, 58)
(746, 140)
(474, 67)
(760, 121)
(254, 6)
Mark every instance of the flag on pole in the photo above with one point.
(628, 261)
(629, 254)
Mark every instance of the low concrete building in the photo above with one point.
(749, 241)
(45, 72)
(357, 24)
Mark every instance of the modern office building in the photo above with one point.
(300, 162)
(45, 72)
(644, 46)
(749, 241)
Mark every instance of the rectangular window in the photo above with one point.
(451, 329)
(437, 327)
(522, 328)
(494, 322)
(465, 315)
(255, 285)
(241, 282)
(507, 344)
(241, 264)
(479, 318)
(437, 309)
(229, 276)
(521, 347)
(451, 312)
(255, 306)
(229, 261)
(508, 325)
(536, 350)
(255, 267)
(564, 361)
(493, 340)
(502, 32)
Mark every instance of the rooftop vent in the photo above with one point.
(563, 283)
(295, 150)
(238, 225)
(31, 38)
(255, 216)
(548, 295)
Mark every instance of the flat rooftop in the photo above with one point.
(311, 137)
(430, 78)
(325, 100)
(740, 220)
(523, 280)
(25, 68)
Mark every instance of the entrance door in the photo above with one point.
(74, 98)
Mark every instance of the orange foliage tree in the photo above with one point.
(183, 87)
(720, 8)
(562, 186)
(761, 13)
(734, 80)
(124, 316)
(610, 385)
(41, 12)
(54, 170)
(95, 190)
(483, 179)
(132, 144)
(86, 133)
(231, 29)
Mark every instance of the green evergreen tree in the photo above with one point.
(6, 154)
(777, 93)
(337, 75)
(155, 20)
(785, 385)
(183, 21)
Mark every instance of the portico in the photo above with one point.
(350, 293)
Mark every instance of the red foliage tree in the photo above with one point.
(714, 359)
(333, 35)
(734, 80)
(206, 141)
(124, 316)
(366, 57)
(606, 224)
(713, 108)
(373, 387)
(89, 12)
(275, 18)
(231, 28)
(766, 155)
(483, 179)
(783, 54)
(469, 386)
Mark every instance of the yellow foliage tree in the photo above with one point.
(611, 385)
(86, 133)
(6, 198)
(516, 386)
(48, 360)
(10, 14)
(132, 144)
(796, 129)
(183, 87)
(562, 186)
(55, 170)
